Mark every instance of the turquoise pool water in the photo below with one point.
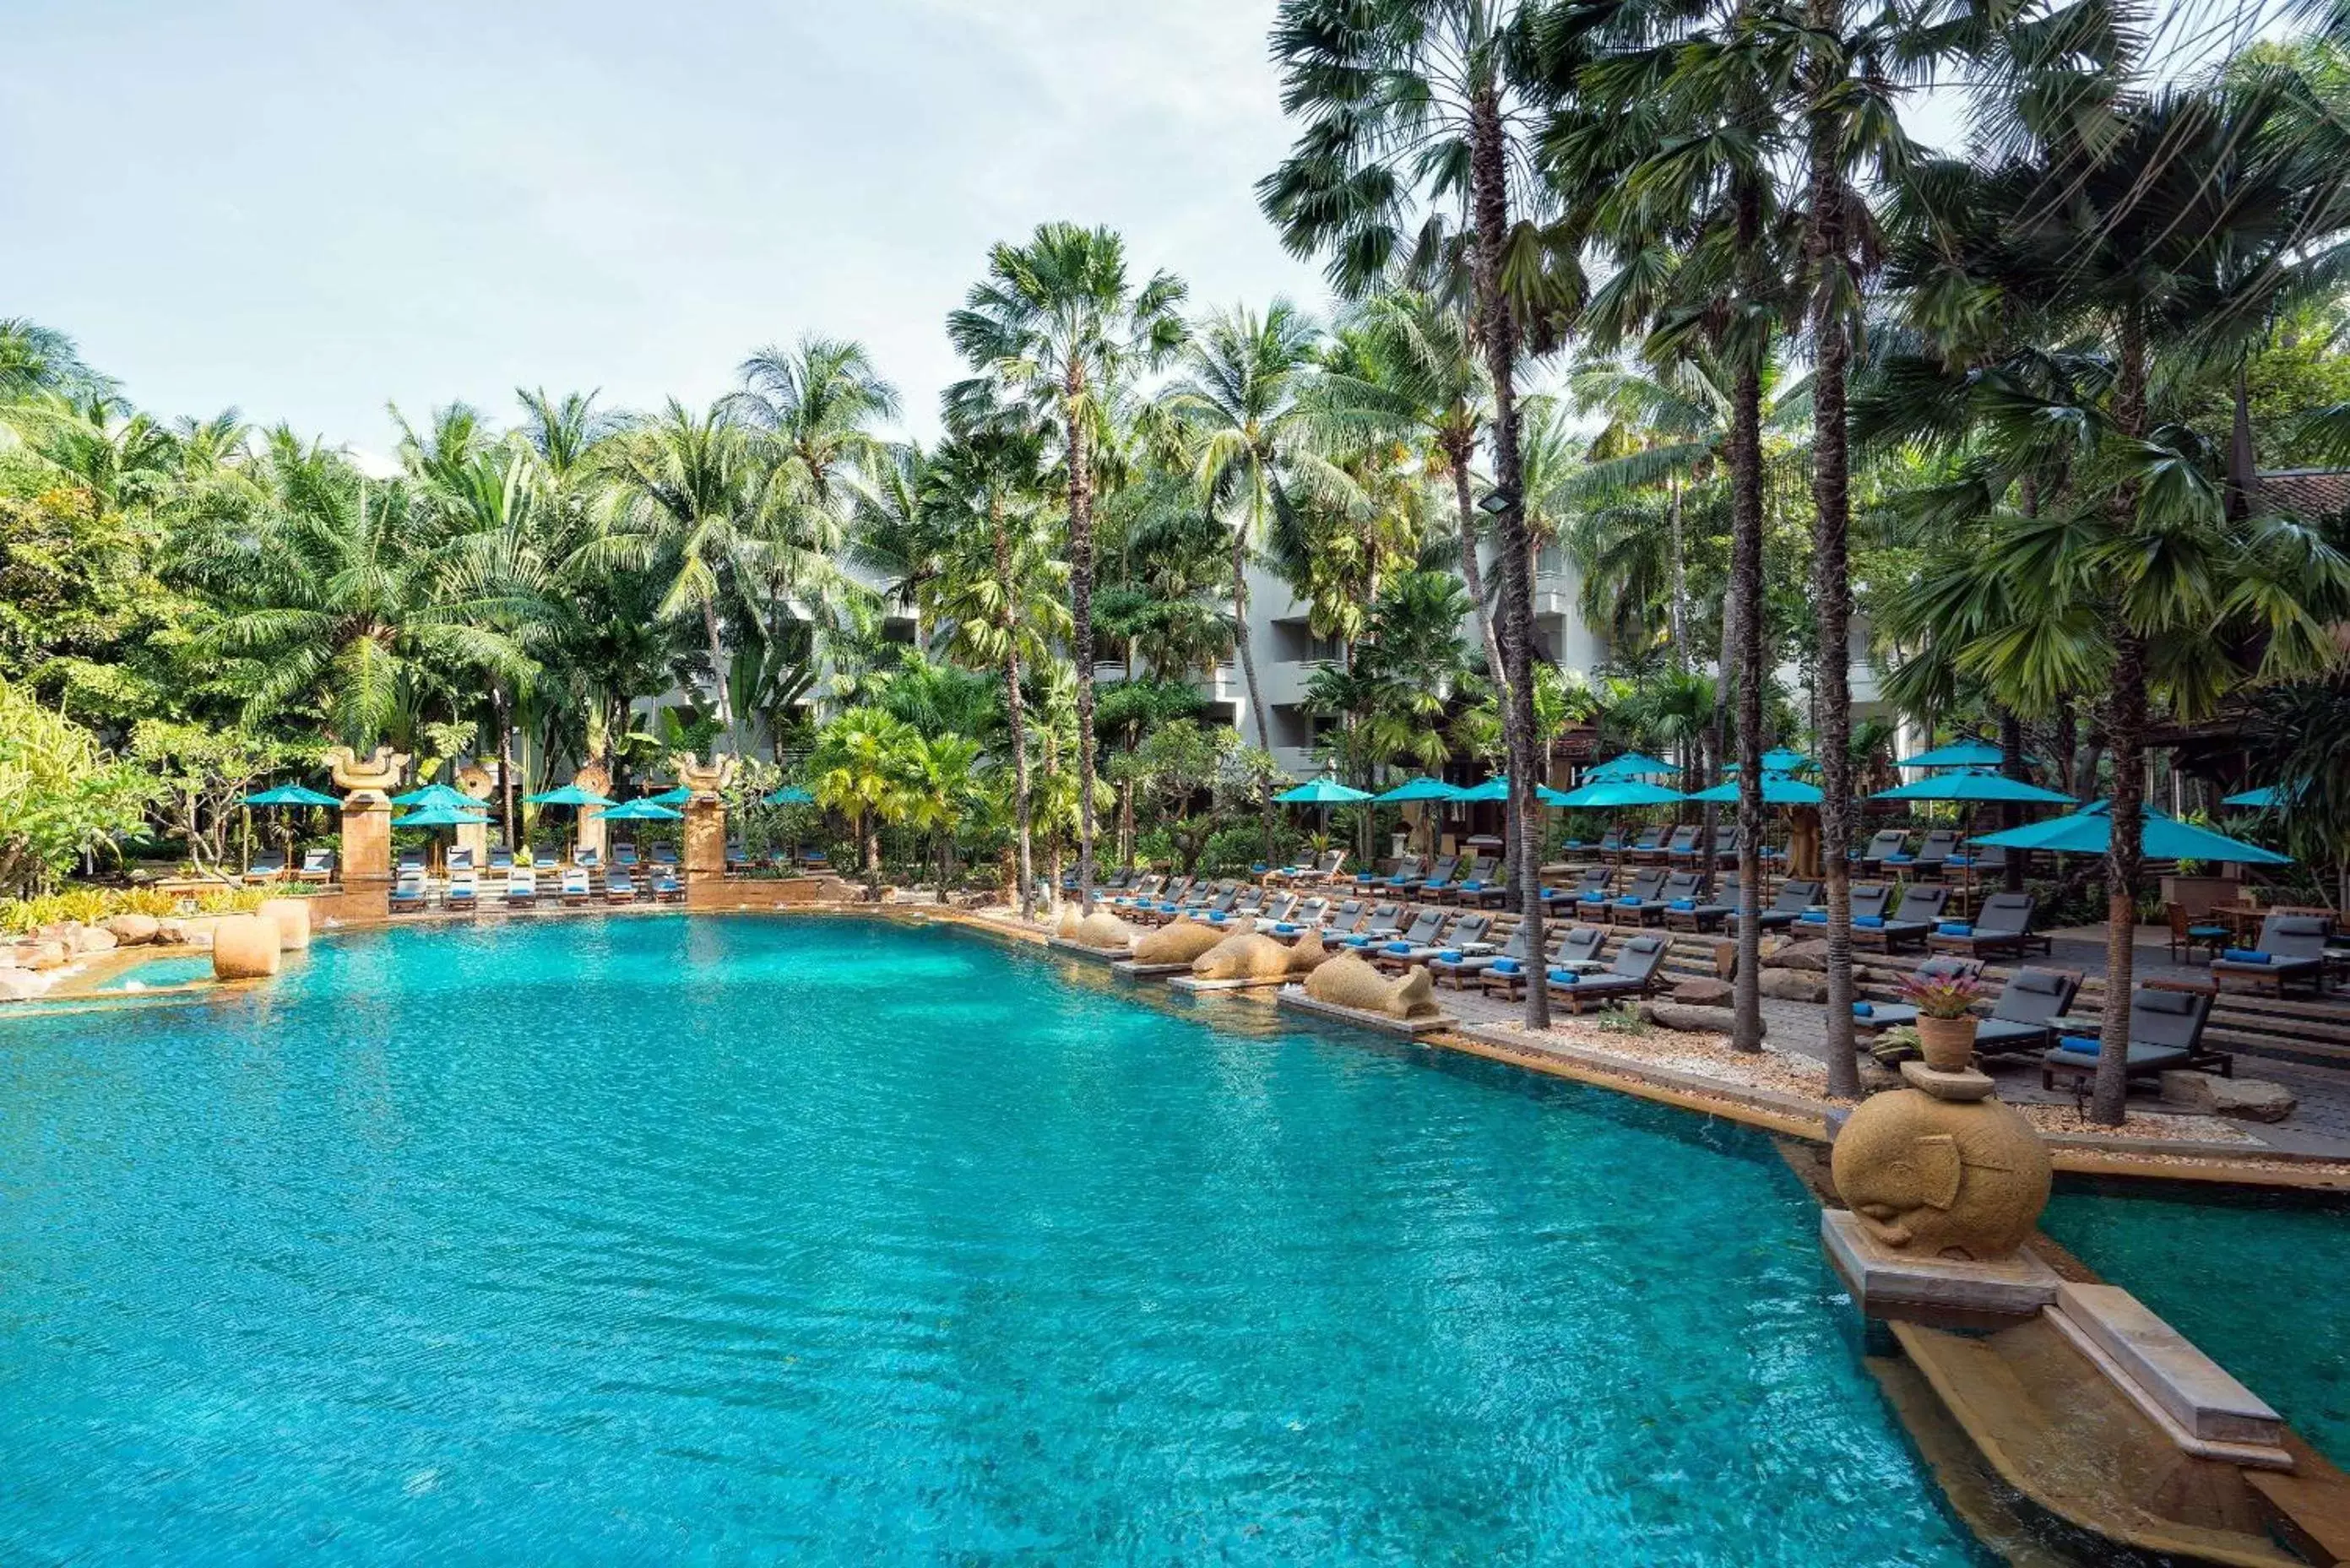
(158, 973)
(2256, 1283)
(831, 1241)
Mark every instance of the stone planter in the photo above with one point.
(1949, 1044)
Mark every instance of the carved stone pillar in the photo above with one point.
(705, 814)
(366, 813)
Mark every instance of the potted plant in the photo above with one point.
(1946, 1020)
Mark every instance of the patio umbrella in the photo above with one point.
(1419, 789)
(437, 795)
(569, 794)
(291, 794)
(1607, 794)
(2090, 831)
(2257, 799)
(648, 808)
(677, 796)
(440, 816)
(1325, 791)
(1975, 784)
(790, 794)
(1778, 789)
(1630, 765)
(1966, 753)
(1777, 760)
(1497, 788)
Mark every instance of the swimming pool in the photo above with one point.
(836, 1240)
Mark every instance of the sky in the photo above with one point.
(309, 211)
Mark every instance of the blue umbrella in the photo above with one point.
(1497, 788)
(437, 795)
(677, 796)
(440, 816)
(291, 795)
(1975, 784)
(2090, 831)
(1778, 789)
(790, 794)
(1422, 788)
(1777, 760)
(1606, 793)
(1630, 765)
(648, 809)
(2257, 799)
(1324, 791)
(569, 794)
(1966, 753)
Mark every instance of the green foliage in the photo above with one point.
(61, 795)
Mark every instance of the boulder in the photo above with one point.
(1105, 931)
(2248, 1099)
(1794, 985)
(15, 985)
(245, 946)
(57, 931)
(1800, 954)
(93, 939)
(1690, 1019)
(1349, 981)
(135, 930)
(1704, 993)
(170, 933)
(1177, 941)
(43, 955)
(293, 917)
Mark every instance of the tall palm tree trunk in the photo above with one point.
(1473, 571)
(1081, 631)
(1013, 718)
(2125, 722)
(1678, 611)
(1488, 175)
(2011, 815)
(1241, 643)
(1746, 591)
(1831, 573)
(718, 670)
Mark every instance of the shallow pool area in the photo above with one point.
(838, 1241)
(155, 974)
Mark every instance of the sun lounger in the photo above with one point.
(2292, 949)
(1882, 848)
(666, 890)
(1277, 911)
(1469, 966)
(2004, 924)
(411, 860)
(1868, 905)
(267, 867)
(1681, 845)
(1911, 923)
(1875, 1017)
(318, 866)
(575, 886)
(1307, 916)
(1632, 973)
(1610, 842)
(1787, 907)
(501, 859)
(619, 888)
(461, 859)
(624, 856)
(1422, 931)
(1933, 854)
(1578, 947)
(521, 888)
(1650, 846)
(738, 860)
(2166, 1031)
(1448, 872)
(1467, 933)
(1586, 897)
(588, 859)
(1691, 910)
(1407, 869)
(1381, 924)
(663, 854)
(465, 891)
(408, 895)
(1642, 904)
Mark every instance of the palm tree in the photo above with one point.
(1418, 155)
(1243, 428)
(858, 768)
(940, 784)
(816, 402)
(1056, 329)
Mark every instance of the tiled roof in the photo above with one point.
(2312, 491)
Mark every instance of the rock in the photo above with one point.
(43, 956)
(135, 930)
(1178, 941)
(93, 939)
(1794, 985)
(245, 946)
(1690, 1019)
(1704, 993)
(8, 957)
(172, 932)
(293, 917)
(1799, 954)
(2248, 1099)
(1941, 1178)
(1875, 1077)
(15, 985)
(57, 931)
(1347, 980)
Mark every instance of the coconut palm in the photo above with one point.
(817, 403)
(1056, 329)
(939, 790)
(857, 768)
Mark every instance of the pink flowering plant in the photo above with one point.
(1942, 995)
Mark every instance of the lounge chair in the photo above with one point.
(464, 890)
(666, 890)
(1695, 911)
(267, 866)
(2003, 925)
(1787, 907)
(2022, 1021)
(1577, 947)
(624, 857)
(1650, 846)
(1277, 911)
(1477, 884)
(575, 886)
(2292, 947)
(664, 854)
(1588, 893)
(1642, 904)
(2166, 1031)
(738, 860)
(460, 860)
(1468, 933)
(408, 895)
(1447, 874)
(1911, 923)
(1142, 892)
(1632, 973)
(318, 866)
(1873, 1017)
(1323, 869)
(1342, 916)
(1884, 846)
(1379, 925)
(1406, 868)
(1933, 854)
(1680, 895)
(1422, 931)
(1610, 842)
(1437, 876)
(1681, 847)
(619, 888)
(411, 860)
(522, 888)
(501, 859)
(2190, 935)
(1868, 905)
(1307, 916)
(1469, 966)
(588, 859)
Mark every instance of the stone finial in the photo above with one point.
(1941, 1178)
(704, 779)
(372, 779)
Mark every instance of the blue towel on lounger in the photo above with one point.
(1472, 885)
(1398, 947)
(1627, 902)
(1592, 898)
(1563, 977)
(1451, 955)
(1869, 922)
(1282, 928)
(1900, 859)
(2078, 1044)
(1682, 904)
(1815, 916)
(2248, 955)
(1954, 929)
(1864, 1010)
(1505, 966)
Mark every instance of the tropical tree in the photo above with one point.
(857, 768)
(1056, 329)
(939, 791)
(817, 403)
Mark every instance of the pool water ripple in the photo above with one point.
(746, 1241)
